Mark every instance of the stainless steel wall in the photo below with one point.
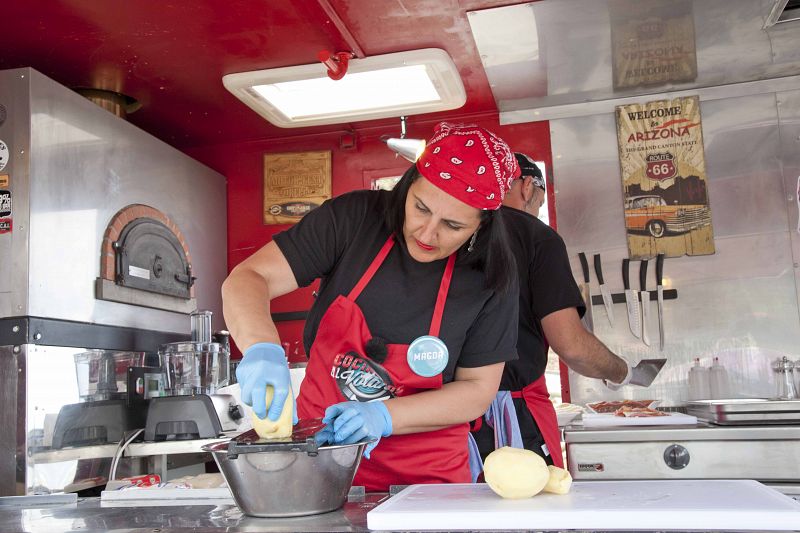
(740, 304)
(73, 166)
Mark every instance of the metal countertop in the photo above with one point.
(88, 515)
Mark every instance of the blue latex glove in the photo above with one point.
(349, 422)
(264, 363)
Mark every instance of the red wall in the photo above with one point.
(352, 169)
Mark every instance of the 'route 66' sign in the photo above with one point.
(660, 166)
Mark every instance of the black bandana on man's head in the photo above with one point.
(530, 169)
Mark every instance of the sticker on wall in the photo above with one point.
(3, 155)
(5, 181)
(663, 168)
(5, 225)
(5, 203)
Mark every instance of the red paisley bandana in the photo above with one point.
(470, 163)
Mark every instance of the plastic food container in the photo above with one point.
(194, 367)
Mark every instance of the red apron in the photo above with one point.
(338, 370)
(544, 414)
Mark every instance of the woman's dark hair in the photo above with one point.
(491, 254)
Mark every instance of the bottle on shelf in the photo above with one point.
(718, 381)
(699, 383)
(784, 381)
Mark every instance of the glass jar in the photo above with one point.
(784, 379)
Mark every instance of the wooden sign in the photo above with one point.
(652, 42)
(294, 184)
(663, 169)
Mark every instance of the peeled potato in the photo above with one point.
(515, 473)
(266, 428)
(559, 482)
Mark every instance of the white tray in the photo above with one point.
(185, 496)
(598, 420)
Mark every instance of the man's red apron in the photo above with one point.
(338, 356)
(541, 408)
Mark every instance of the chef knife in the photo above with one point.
(632, 301)
(609, 304)
(646, 371)
(586, 292)
(660, 289)
(645, 300)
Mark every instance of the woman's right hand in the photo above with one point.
(264, 363)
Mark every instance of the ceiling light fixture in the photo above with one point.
(391, 85)
(410, 149)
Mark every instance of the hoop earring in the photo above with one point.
(472, 241)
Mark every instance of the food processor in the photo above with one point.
(194, 370)
(103, 413)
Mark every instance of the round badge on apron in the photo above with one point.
(427, 356)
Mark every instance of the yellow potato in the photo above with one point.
(559, 482)
(515, 473)
(266, 428)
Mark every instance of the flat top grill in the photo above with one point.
(746, 411)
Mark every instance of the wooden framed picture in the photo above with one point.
(663, 168)
(294, 184)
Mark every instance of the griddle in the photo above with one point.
(746, 411)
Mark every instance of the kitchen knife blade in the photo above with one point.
(586, 292)
(646, 371)
(645, 300)
(632, 301)
(607, 302)
(660, 289)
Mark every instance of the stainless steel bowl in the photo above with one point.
(283, 483)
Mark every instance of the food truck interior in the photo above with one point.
(142, 156)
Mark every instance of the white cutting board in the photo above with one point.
(660, 505)
(600, 420)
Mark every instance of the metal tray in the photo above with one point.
(746, 411)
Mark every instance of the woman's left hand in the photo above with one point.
(349, 422)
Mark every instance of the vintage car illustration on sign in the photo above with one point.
(650, 213)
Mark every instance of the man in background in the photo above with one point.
(550, 310)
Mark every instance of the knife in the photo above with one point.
(660, 289)
(645, 300)
(586, 292)
(646, 371)
(632, 301)
(598, 269)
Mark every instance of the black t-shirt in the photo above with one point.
(338, 241)
(546, 285)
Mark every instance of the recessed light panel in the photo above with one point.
(405, 83)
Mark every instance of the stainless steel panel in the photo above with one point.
(703, 432)
(789, 125)
(707, 460)
(8, 421)
(15, 132)
(85, 164)
(47, 382)
(740, 304)
(91, 514)
(547, 56)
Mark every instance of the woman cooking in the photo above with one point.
(415, 317)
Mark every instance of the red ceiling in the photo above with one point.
(171, 54)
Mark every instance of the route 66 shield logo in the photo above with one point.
(660, 166)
